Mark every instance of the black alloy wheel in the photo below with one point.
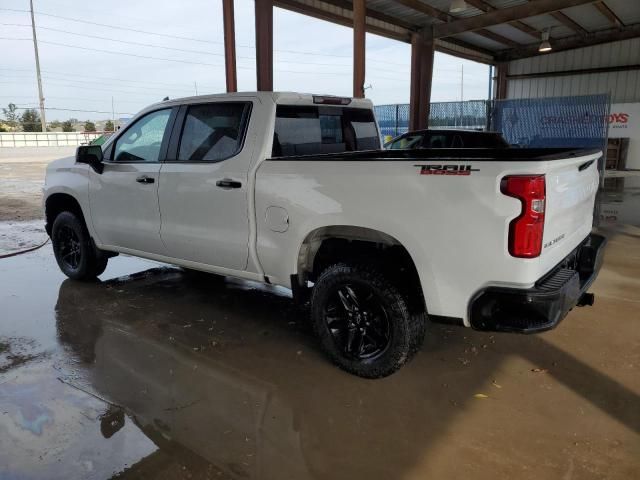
(69, 249)
(358, 321)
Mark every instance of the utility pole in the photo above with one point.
(35, 48)
(113, 115)
(195, 84)
(462, 95)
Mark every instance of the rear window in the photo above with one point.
(311, 130)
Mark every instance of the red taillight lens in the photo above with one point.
(525, 232)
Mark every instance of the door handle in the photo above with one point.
(227, 183)
(145, 179)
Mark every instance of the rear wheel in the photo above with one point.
(76, 256)
(363, 321)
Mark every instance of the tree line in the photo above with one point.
(29, 121)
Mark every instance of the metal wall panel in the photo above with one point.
(623, 86)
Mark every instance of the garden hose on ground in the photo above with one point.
(27, 250)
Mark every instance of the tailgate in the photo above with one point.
(571, 187)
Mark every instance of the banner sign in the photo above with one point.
(624, 120)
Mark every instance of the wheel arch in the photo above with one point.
(330, 244)
(59, 202)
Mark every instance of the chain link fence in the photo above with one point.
(577, 121)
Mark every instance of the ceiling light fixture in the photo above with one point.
(545, 46)
(457, 6)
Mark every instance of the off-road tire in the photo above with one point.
(90, 261)
(407, 329)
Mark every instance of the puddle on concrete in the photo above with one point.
(17, 236)
(620, 202)
(155, 373)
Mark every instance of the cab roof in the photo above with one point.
(287, 98)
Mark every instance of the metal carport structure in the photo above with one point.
(495, 32)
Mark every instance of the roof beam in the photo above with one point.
(568, 73)
(318, 13)
(346, 21)
(574, 41)
(569, 23)
(433, 12)
(372, 14)
(504, 15)
(610, 14)
(487, 7)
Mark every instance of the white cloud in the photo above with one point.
(85, 79)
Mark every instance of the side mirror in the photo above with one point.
(91, 155)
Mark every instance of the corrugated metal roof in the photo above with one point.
(544, 22)
(627, 10)
(587, 16)
(475, 39)
(513, 33)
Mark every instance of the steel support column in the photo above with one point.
(264, 45)
(229, 45)
(359, 19)
(502, 70)
(422, 53)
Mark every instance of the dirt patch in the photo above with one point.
(21, 190)
(15, 352)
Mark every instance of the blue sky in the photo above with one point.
(185, 40)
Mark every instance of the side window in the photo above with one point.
(141, 142)
(438, 141)
(458, 142)
(213, 132)
(311, 130)
(409, 142)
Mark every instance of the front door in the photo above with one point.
(203, 185)
(124, 198)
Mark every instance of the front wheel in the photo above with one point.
(363, 321)
(76, 256)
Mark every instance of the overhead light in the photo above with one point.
(545, 46)
(457, 6)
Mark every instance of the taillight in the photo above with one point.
(525, 232)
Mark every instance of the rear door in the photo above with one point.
(203, 189)
(124, 198)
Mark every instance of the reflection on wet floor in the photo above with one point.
(156, 373)
(620, 201)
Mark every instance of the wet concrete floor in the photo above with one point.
(156, 373)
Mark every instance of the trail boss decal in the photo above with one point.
(461, 170)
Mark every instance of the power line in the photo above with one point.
(77, 110)
(201, 52)
(175, 59)
(138, 92)
(84, 99)
(144, 82)
(136, 88)
(146, 32)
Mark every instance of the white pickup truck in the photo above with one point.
(294, 190)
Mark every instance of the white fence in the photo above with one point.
(48, 139)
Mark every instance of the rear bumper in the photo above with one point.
(544, 305)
